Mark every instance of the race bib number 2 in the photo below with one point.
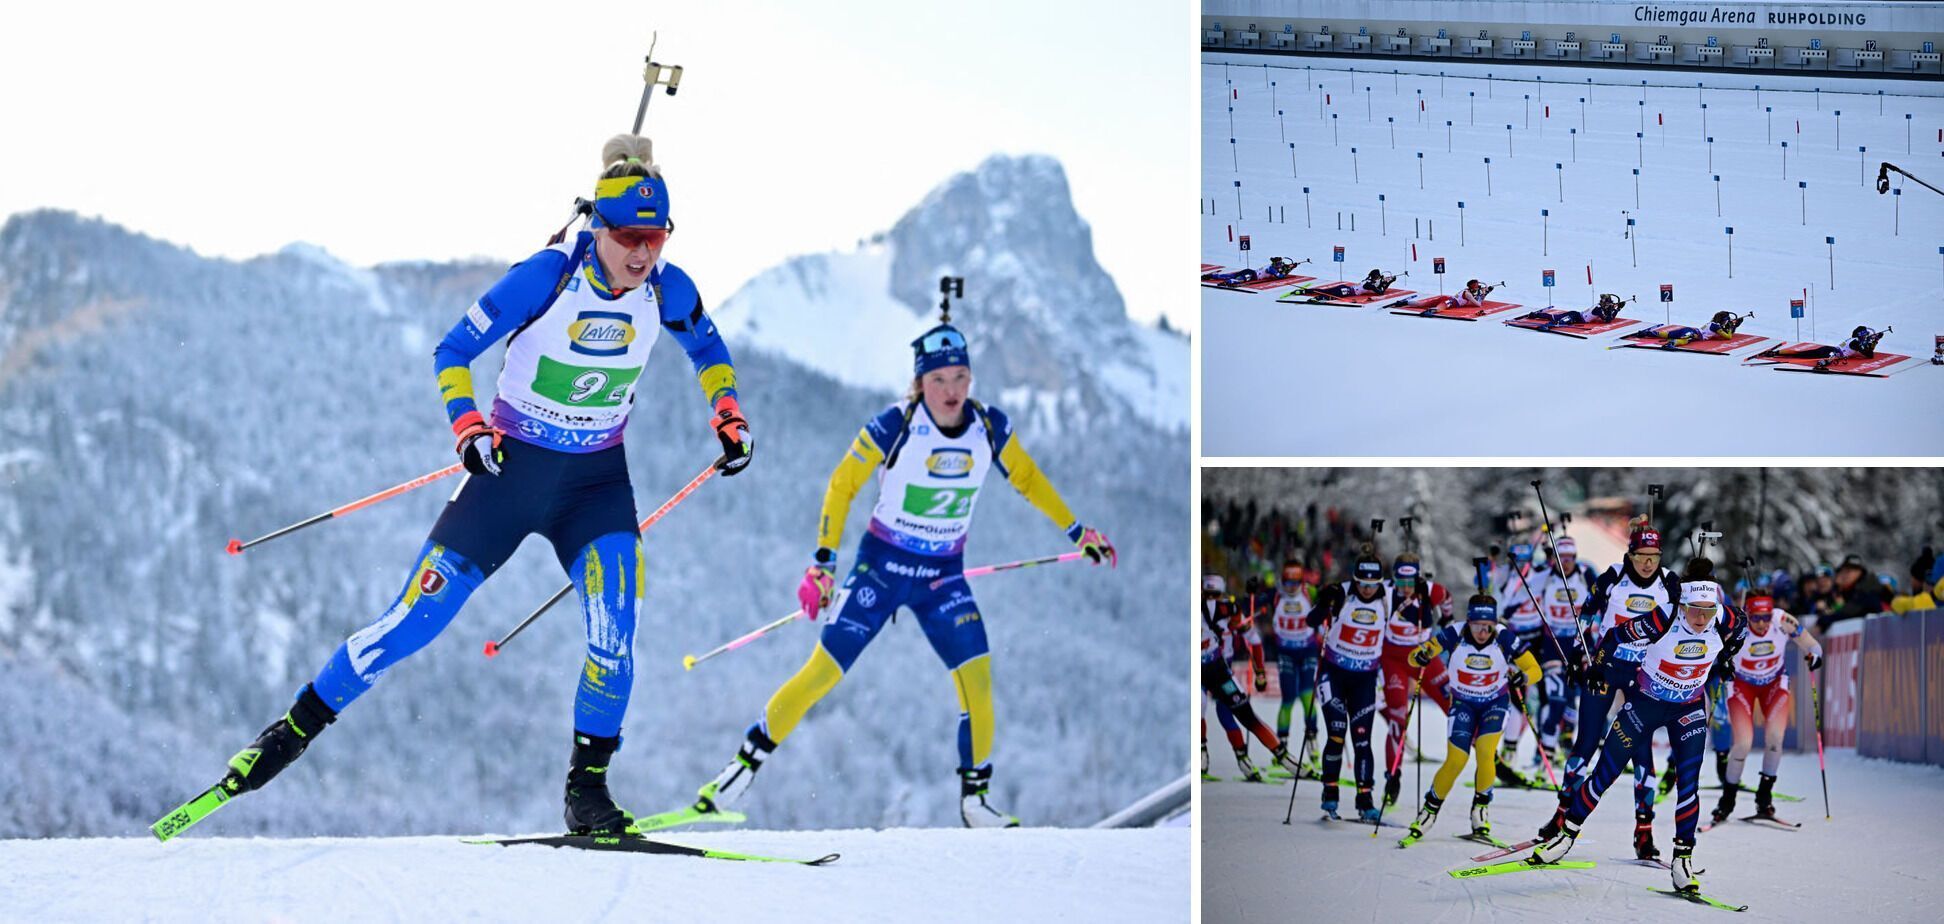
(938, 503)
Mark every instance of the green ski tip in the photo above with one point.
(1699, 899)
(1516, 866)
(687, 816)
(186, 815)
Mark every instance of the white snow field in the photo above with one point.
(1875, 860)
(900, 875)
(1288, 379)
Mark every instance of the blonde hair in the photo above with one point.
(628, 155)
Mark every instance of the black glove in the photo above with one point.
(479, 449)
(1813, 660)
(1519, 692)
(1723, 671)
(733, 431)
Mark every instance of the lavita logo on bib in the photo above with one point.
(949, 463)
(601, 333)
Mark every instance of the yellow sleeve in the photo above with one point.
(852, 471)
(1025, 477)
(1528, 665)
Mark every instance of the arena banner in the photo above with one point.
(1882, 17)
(1933, 662)
(1890, 711)
(1842, 649)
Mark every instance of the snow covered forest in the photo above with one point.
(1804, 516)
(154, 404)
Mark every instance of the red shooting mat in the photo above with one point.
(1645, 340)
(1459, 312)
(1362, 298)
(1854, 364)
(1576, 330)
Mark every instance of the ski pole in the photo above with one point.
(1296, 780)
(1396, 762)
(1009, 566)
(1821, 765)
(690, 661)
(493, 648)
(236, 546)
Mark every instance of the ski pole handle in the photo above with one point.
(690, 661)
(1009, 566)
(493, 647)
(236, 546)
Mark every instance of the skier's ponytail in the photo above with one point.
(628, 155)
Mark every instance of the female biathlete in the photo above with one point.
(1219, 618)
(1419, 605)
(582, 315)
(1351, 616)
(1681, 651)
(936, 448)
(1762, 695)
(1296, 649)
(1483, 656)
(1562, 589)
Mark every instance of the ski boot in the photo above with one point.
(1329, 799)
(1644, 836)
(1556, 847)
(1314, 766)
(1282, 759)
(729, 786)
(1249, 772)
(1721, 767)
(1726, 807)
(973, 808)
(1509, 775)
(1481, 815)
(1686, 877)
(279, 744)
(590, 810)
(1393, 785)
(1765, 798)
(1667, 780)
(1366, 806)
(1426, 815)
(1205, 775)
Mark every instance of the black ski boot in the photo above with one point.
(1509, 776)
(1393, 785)
(1726, 807)
(1765, 798)
(1551, 829)
(1667, 780)
(279, 744)
(1644, 836)
(590, 810)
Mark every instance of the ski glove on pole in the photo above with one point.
(479, 448)
(818, 584)
(733, 431)
(1094, 543)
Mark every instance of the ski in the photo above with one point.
(1785, 825)
(1700, 899)
(1516, 866)
(1788, 368)
(1503, 851)
(685, 816)
(1637, 861)
(1359, 822)
(190, 812)
(1410, 839)
(642, 845)
(1485, 839)
(1208, 778)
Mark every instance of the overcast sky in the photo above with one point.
(437, 131)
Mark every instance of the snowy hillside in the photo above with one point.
(1484, 389)
(1040, 312)
(1871, 861)
(971, 876)
(155, 404)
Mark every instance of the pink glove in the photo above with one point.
(1095, 544)
(814, 591)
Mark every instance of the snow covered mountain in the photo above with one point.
(154, 404)
(1049, 331)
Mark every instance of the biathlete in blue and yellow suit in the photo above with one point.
(581, 317)
(933, 452)
(1480, 683)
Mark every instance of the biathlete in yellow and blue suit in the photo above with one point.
(580, 318)
(1484, 655)
(932, 453)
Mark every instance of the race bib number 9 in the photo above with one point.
(938, 503)
(583, 386)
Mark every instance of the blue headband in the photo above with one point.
(1481, 611)
(631, 202)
